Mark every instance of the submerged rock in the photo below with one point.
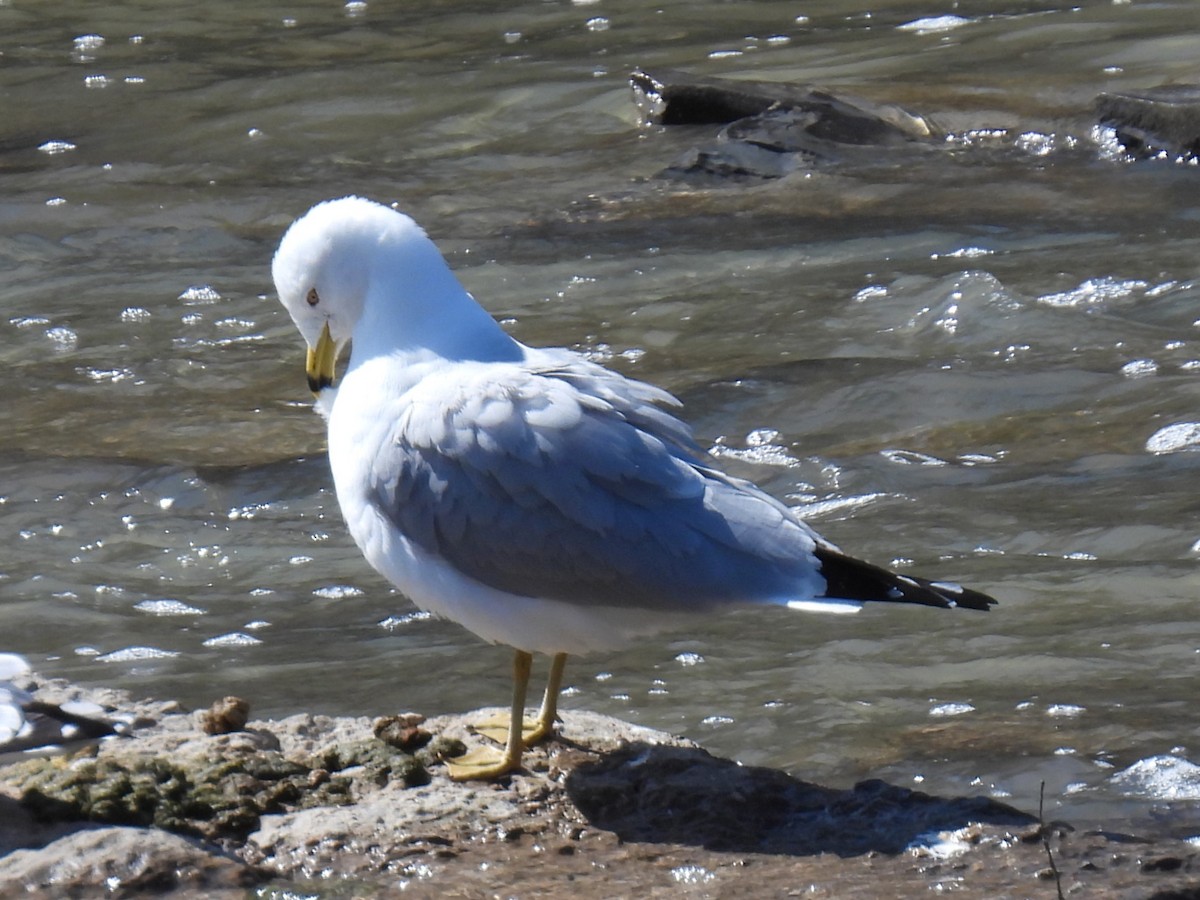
(1157, 121)
(668, 97)
(771, 128)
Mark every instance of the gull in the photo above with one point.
(31, 727)
(535, 497)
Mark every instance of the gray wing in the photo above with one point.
(569, 482)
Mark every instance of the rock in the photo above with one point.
(676, 98)
(318, 805)
(226, 715)
(667, 97)
(772, 128)
(403, 732)
(177, 777)
(1157, 121)
(684, 795)
(214, 796)
(120, 862)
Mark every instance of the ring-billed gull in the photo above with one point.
(531, 495)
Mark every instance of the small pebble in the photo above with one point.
(402, 732)
(227, 715)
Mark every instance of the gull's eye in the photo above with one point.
(313, 297)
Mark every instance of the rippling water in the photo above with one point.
(982, 363)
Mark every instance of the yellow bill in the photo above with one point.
(322, 361)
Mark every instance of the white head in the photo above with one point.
(350, 260)
(323, 266)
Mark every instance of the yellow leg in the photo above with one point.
(549, 711)
(532, 730)
(499, 727)
(486, 763)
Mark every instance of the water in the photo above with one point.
(965, 362)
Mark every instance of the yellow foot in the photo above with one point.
(481, 764)
(496, 728)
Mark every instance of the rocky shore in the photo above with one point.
(215, 804)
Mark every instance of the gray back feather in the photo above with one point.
(569, 482)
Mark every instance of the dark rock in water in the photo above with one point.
(1158, 121)
(684, 795)
(829, 119)
(772, 129)
(676, 98)
(734, 161)
(668, 97)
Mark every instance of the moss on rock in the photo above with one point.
(213, 796)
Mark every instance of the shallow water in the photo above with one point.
(969, 362)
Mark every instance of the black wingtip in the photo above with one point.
(847, 578)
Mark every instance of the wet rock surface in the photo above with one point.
(337, 807)
(773, 129)
(643, 792)
(1157, 121)
(668, 97)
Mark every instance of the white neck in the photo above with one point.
(417, 307)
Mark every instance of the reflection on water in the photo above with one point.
(980, 363)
